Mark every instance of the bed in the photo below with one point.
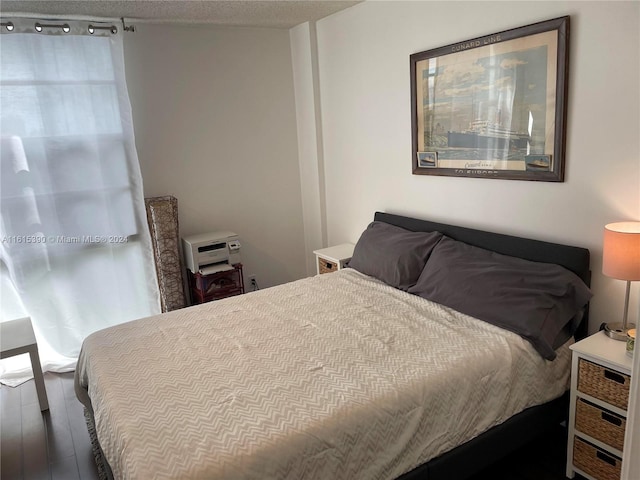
(353, 374)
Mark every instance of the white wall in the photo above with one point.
(307, 93)
(365, 100)
(214, 119)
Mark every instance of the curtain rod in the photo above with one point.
(39, 25)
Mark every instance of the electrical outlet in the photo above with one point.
(253, 282)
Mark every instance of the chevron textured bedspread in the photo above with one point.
(337, 376)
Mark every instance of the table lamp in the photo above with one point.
(621, 260)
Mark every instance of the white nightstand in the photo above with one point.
(334, 258)
(600, 379)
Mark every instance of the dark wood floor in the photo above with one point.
(51, 445)
(55, 445)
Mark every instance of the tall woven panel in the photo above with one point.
(162, 216)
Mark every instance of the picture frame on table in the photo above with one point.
(493, 106)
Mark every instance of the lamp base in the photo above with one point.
(616, 331)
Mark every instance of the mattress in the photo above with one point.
(334, 376)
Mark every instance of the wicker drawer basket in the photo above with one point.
(604, 384)
(326, 266)
(597, 463)
(600, 424)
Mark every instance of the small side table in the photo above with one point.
(334, 258)
(600, 380)
(216, 286)
(17, 337)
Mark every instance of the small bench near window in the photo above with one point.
(17, 337)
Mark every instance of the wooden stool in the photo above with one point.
(17, 337)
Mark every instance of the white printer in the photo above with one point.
(208, 253)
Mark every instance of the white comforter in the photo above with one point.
(337, 376)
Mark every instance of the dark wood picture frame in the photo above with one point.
(494, 106)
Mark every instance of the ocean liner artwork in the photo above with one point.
(489, 138)
(485, 112)
(496, 117)
(488, 135)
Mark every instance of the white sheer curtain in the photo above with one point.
(75, 250)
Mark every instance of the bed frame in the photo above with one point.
(473, 456)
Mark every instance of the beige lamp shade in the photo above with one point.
(621, 251)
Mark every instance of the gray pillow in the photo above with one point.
(535, 300)
(568, 330)
(392, 254)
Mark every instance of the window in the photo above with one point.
(75, 244)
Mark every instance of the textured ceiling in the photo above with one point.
(278, 14)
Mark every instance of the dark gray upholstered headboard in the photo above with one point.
(575, 259)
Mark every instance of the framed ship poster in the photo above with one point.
(494, 106)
